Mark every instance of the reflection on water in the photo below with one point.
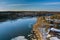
(19, 27)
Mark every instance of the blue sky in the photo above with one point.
(29, 5)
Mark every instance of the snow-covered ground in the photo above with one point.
(42, 30)
(44, 34)
(54, 38)
(19, 38)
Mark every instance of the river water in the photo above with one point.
(19, 27)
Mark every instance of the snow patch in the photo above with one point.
(19, 38)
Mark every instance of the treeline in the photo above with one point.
(11, 15)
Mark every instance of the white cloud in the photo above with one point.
(46, 3)
(9, 4)
(14, 4)
(18, 4)
(39, 6)
(51, 3)
(19, 38)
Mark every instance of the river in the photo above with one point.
(19, 27)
